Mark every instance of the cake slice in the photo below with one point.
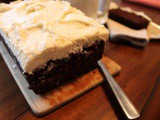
(128, 25)
(129, 19)
(51, 41)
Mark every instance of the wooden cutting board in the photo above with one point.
(43, 104)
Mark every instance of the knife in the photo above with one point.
(127, 106)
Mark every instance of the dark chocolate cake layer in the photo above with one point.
(128, 19)
(60, 71)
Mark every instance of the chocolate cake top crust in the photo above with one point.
(37, 31)
(128, 17)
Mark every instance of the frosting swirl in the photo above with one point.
(41, 30)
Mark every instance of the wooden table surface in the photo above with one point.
(138, 78)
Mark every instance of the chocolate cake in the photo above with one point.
(128, 26)
(51, 41)
(128, 19)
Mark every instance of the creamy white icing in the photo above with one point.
(37, 31)
(128, 34)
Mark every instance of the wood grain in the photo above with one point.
(151, 110)
(137, 78)
(10, 97)
(140, 70)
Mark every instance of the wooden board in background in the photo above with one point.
(43, 104)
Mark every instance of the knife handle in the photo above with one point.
(127, 106)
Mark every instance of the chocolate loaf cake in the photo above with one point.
(128, 19)
(51, 41)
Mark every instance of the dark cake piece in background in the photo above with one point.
(128, 19)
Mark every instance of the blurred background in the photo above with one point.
(150, 3)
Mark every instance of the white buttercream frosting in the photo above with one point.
(41, 30)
